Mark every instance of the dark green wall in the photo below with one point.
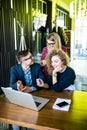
(7, 42)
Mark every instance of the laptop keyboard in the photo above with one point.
(37, 103)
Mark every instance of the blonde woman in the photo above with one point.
(62, 76)
(53, 42)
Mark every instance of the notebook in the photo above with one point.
(62, 104)
(25, 99)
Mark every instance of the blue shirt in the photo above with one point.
(28, 79)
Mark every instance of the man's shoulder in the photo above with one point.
(36, 65)
(16, 66)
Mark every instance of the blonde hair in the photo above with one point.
(61, 54)
(55, 38)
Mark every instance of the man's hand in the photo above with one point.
(27, 89)
(39, 82)
(19, 85)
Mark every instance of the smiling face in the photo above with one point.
(57, 63)
(57, 60)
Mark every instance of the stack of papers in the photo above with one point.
(62, 104)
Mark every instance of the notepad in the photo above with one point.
(62, 104)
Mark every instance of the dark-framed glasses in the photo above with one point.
(27, 58)
(51, 43)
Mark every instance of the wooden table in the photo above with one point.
(48, 118)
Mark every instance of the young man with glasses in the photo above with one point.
(26, 76)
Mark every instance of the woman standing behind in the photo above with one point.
(53, 42)
(62, 76)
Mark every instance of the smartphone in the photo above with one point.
(62, 104)
(40, 81)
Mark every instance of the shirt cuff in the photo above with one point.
(33, 88)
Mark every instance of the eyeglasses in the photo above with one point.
(52, 43)
(27, 58)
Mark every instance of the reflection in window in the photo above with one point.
(81, 29)
(81, 38)
(61, 17)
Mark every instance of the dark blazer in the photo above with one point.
(17, 73)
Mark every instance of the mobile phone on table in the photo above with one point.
(40, 81)
(62, 104)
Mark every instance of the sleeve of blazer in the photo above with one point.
(16, 73)
(36, 72)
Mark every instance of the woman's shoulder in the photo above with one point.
(64, 48)
(44, 49)
(43, 53)
(70, 69)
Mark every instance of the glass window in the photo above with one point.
(80, 49)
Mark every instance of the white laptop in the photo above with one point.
(25, 99)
